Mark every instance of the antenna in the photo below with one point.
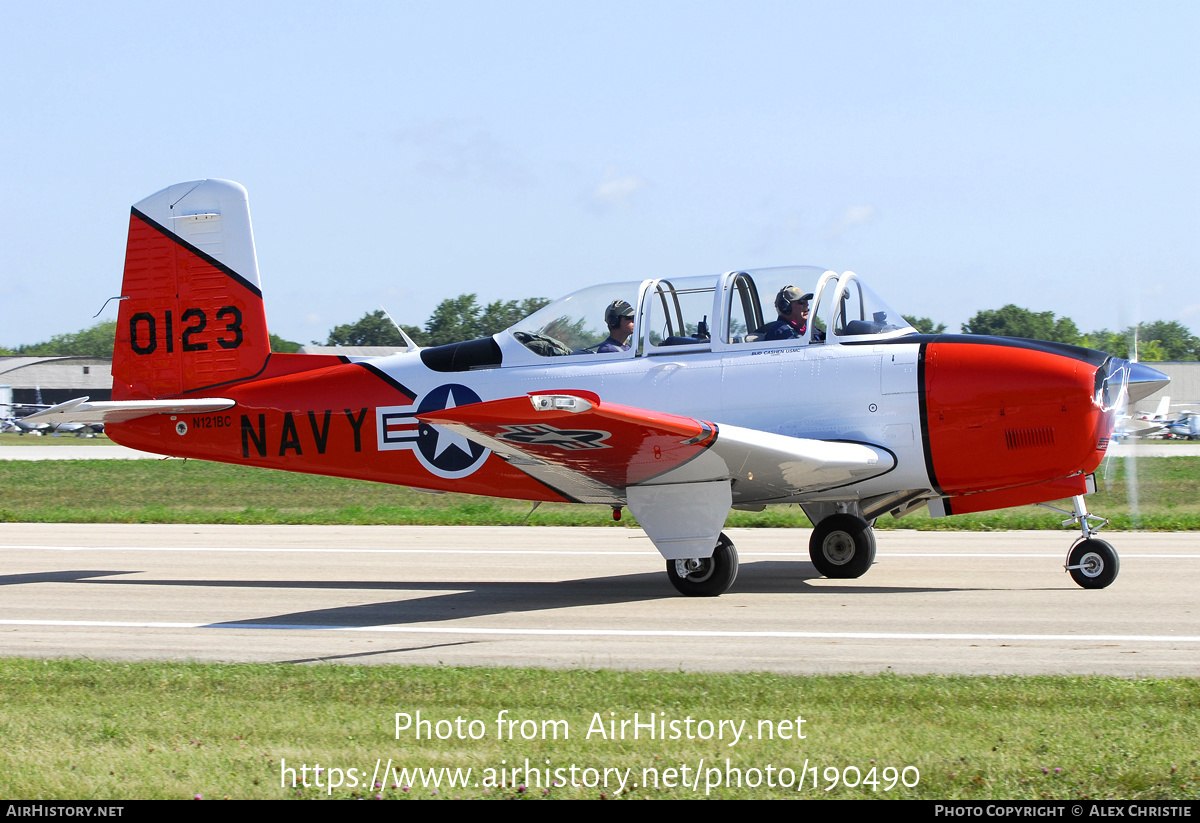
(106, 302)
(411, 345)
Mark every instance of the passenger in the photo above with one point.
(792, 307)
(619, 319)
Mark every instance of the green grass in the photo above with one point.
(82, 729)
(177, 491)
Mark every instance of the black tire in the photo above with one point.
(1093, 563)
(707, 577)
(842, 546)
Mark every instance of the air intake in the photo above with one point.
(1029, 438)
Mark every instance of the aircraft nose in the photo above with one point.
(1144, 381)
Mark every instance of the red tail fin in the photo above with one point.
(192, 314)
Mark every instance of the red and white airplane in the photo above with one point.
(699, 415)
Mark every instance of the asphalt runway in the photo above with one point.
(947, 602)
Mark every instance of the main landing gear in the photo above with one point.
(1092, 563)
(842, 546)
(706, 576)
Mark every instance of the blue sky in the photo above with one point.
(958, 155)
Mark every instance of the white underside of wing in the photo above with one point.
(766, 466)
(80, 410)
(684, 510)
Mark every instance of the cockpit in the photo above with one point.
(709, 313)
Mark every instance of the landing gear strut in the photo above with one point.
(706, 576)
(842, 546)
(1092, 563)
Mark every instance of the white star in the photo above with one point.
(447, 438)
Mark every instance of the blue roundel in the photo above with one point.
(443, 451)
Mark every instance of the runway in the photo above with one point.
(935, 602)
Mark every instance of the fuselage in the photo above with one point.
(982, 422)
(960, 415)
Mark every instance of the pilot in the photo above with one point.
(619, 319)
(792, 306)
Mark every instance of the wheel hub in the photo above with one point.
(838, 548)
(1091, 564)
(694, 569)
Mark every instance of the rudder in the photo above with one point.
(191, 314)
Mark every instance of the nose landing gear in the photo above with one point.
(1092, 563)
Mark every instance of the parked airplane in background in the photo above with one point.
(30, 425)
(1186, 426)
(23, 425)
(1150, 424)
(1181, 423)
(855, 417)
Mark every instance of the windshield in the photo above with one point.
(575, 324)
(852, 309)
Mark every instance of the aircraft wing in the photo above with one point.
(80, 410)
(664, 466)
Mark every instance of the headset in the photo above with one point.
(615, 311)
(788, 294)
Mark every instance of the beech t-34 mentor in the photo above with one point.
(856, 417)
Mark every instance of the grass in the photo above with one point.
(83, 729)
(177, 491)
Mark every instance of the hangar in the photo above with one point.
(50, 380)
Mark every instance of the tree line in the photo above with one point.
(97, 341)
(1157, 340)
(455, 319)
(464, 318)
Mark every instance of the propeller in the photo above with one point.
(1132, 494)
(1114, 398)
(1126, 382)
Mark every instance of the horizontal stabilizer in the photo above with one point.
(80, 410)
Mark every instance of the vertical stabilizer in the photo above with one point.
(191, 316)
